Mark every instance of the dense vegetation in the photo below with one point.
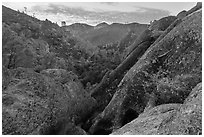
(55, 47)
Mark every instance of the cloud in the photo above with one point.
(40, 7)
(70, 14)
(99, 7)
(94, 13)
(109, 3)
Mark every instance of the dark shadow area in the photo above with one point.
(103, 128)
(54, 130)
(130, 115)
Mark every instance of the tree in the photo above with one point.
(25, 10)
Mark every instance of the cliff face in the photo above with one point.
(166, 73)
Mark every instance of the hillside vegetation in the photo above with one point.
(118, 79)
(103, 33)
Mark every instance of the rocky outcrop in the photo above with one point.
(106, 88)
(113, 78)
(182, 14)
(188, 119)
(166, 73)
(148, 122)
(150, 92)
(162, 24)
(35, 103)
(169, 119)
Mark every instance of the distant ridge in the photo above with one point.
(104, 33)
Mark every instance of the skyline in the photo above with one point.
(93, 13)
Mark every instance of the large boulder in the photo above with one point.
(37, 103)
(148, 122)
(169, 119)
(166, 73)
(188, 119)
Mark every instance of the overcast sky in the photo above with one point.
(96, 12)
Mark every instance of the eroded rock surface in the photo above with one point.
(188, 119)
(168, 70)
(34, 103)
(169, 119)
(42, 65)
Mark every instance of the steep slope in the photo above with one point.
(127, 44)
(42, 103)
(59, 40)
(156, 89)
(40, 94)
(166, 73)
(29, 42)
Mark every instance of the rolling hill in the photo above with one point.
(103, 33)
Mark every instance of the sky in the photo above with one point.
(94, 13)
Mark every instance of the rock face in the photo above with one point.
(166, 73)
(182, 14)
(162, 24)
(107, 87)
(188, 120)
(169, 119)
(148, 122)
(155, 90)
(34, 103)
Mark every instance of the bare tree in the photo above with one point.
(25, 10)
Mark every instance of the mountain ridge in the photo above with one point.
(103, 34)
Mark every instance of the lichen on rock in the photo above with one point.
(35, 103)
(169, 119)
(169, 69)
